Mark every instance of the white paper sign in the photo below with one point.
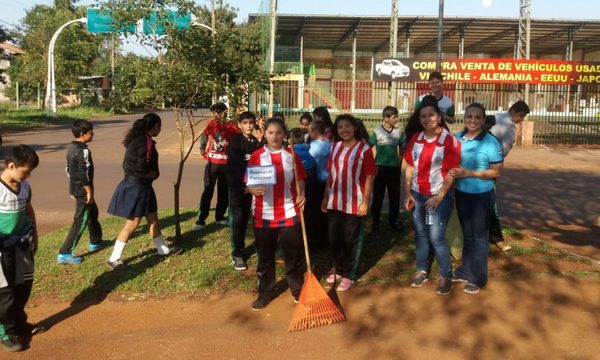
(260, 175)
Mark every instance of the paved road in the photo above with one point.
(49, 182)
(551, 193)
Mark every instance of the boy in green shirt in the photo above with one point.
(387, 141)
(18, 243)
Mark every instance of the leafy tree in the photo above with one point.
(192, 65)
(76, 53)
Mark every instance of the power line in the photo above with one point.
(9, 24)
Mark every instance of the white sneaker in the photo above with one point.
(198, 227)
(223, 222)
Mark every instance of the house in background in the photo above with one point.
(9, 49)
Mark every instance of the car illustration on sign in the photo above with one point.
(393, 68)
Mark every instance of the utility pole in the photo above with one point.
(213, 16)
(112, 66)
(524, 37)
(393, 48)
(394, 30)
(440, 37)
(272, 54)
(213, 24)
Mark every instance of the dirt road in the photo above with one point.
(535, 318)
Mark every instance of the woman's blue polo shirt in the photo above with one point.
(478, 154)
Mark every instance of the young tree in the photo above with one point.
(192, 65)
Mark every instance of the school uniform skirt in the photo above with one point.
(133, 199)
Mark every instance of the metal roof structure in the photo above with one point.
(12, 49)
(482, 35)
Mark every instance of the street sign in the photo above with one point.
(100, 21)
(155, 23)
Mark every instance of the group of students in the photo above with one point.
(323, 169)
(326, 170)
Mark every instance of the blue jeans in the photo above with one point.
(431, 239)
(474, 212)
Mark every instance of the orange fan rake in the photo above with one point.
(315, 308)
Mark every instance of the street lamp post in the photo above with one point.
(196, 23)
(51, 84)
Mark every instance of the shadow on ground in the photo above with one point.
(562, 205)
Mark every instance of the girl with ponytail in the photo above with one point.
(134, 197)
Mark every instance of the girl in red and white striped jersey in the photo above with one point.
(276, 210)
(349, 188)
(431, 152)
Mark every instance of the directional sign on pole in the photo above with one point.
(155, 23)
(100, 21)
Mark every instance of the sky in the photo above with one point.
(14, 10)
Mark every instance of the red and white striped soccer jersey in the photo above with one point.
(431, 160)
(348, 171)
(277, 206)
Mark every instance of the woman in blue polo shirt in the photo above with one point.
(481, 162)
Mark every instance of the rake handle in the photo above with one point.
(301, 213)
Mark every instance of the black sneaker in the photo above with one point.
(419, 279)
(28, 329)
(444, 286)
(260, 303)
(471, 288)
(239, 263)
(11, 343)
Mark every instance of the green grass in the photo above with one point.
(204, 267)
(16, 120)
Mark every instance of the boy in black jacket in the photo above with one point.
(80, 170)
(241, 146)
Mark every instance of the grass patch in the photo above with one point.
(204, 267)
(17, 120)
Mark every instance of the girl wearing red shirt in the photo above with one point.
(431, 152)
(276, 209)
(349, 187)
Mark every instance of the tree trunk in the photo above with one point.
(176, 187)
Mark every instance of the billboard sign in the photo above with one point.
(490, 71)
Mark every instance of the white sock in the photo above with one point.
(117, 251)
(161, 247)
